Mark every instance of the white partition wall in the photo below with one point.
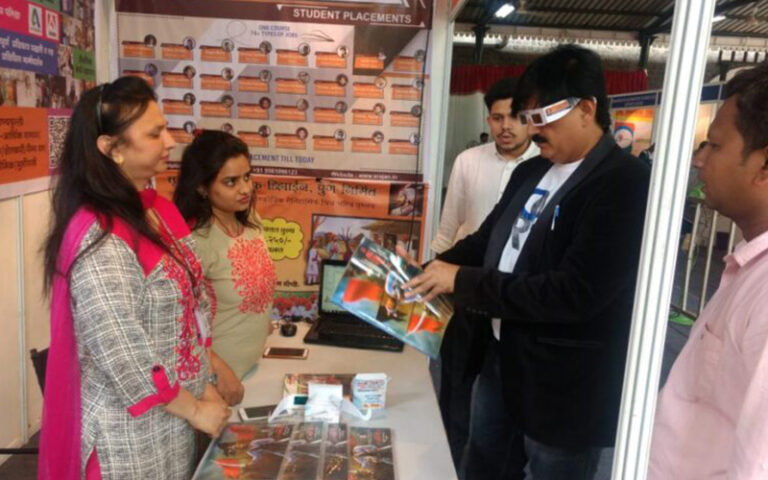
(11, 432)
(36, 211)
(677, 120)
(434, 171)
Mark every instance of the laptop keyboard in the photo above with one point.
(357, 330)
(351, 332)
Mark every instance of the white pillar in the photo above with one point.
(691, 29)
(440, 53)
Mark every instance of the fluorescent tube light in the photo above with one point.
(504, 10)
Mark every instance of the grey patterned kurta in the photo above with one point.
(127, 323)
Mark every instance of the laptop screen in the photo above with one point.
(330, 276)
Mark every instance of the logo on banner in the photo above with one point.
(624, 134)
(35, 20)
(52, 25)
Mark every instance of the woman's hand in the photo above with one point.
(210, 417)
(209, 413)
(211, 395)
(228, 385)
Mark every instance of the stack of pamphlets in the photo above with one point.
(300, 451)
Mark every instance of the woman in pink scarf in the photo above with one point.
(127, 377)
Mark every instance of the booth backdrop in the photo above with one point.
(47, 61)
(329, 99)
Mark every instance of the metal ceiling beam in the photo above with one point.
(731, 16)
(716, 33)
(556, 10)
(563, 26)
(662, 22)
(720, 33)
(590, 11)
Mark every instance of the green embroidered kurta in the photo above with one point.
(240, 277)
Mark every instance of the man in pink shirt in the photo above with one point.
(712, 415)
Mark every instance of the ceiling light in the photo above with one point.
(718, 18)
(504, 10)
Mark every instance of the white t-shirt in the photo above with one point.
(546, 189)
(478, 180)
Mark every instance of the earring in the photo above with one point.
(118, 159)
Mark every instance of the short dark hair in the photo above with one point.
(566, 71)
(200, 164)
(501, 90)
(751, 89)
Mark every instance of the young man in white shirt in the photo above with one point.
(480, 173)
(478, 179)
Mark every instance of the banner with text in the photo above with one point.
(46, 62)
(315, 88)
(308, 220)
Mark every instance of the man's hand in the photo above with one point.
(438, 278)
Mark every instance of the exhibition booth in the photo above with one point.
(345, 109)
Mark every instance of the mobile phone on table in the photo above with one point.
(256, 413)
(282, 352)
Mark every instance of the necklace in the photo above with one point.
(238, 230)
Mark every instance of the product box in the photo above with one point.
(369, 391)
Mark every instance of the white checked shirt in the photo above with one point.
(479, 177)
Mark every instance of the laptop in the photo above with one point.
(335, 326)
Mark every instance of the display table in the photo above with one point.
(420, 445)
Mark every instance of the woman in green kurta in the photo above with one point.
(215, 195)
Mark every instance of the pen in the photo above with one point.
(554, 217)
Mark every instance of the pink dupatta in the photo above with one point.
(60, 433)
(60, 437)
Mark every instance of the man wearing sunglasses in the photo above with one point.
(553, 269)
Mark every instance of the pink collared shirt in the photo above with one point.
(712, 414)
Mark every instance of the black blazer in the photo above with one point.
(566, 308)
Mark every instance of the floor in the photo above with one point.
(20, 467)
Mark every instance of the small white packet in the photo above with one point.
(326, 403)
(323, 403)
